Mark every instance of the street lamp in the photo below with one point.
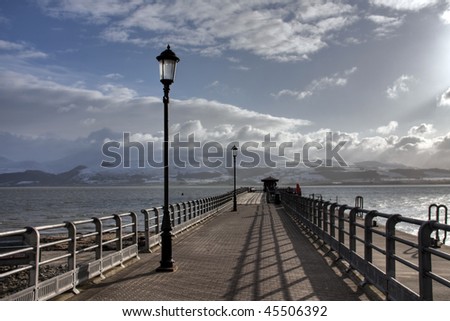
(234, 150)
(167, 66)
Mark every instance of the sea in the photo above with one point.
(37, 206)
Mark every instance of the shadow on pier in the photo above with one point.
(256, 253)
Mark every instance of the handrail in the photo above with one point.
(87, 248)
(192, 213)
(363, 245)
(63, 243)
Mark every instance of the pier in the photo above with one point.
(256, 253)
(284, 247)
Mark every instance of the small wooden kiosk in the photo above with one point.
(270, 183)
(270, 187)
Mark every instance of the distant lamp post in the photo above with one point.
(234, 150)
(167, 66)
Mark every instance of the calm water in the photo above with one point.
(410, 201)
(34, 206)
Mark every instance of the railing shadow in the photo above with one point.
(277, 262)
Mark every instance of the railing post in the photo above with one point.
(211, 203)
(390, 246)
(178, 213)
(72, 249)
(425, 282)
(119, 242)
(325, 216)
(333, 219)
(184, 211)
(319, 210)
(98, 238)
(172, 214)
(368, 235)
(146, 229)
(157, 225)
(197, 208)
(202, 206)
(33, 238)
(341, 224)
(135, 227)
(72, 246)
(189, 203)
(352, 228)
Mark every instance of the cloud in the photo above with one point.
(385, 25)
(444, 100)
(422, 129)
(21, 50)
(8, 45)
(335, 80)
(289, 31)
(57, 108)
(445, 16)
(114, 76)
(62, 114)
(388, 129)
(118, 92)
(94, 11)
(401, 85)
(405, 5)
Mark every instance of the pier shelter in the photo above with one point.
(270, 183)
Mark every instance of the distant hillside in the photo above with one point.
(37, 177)
(356, 174)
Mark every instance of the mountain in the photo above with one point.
(37, 177)
(359, 173)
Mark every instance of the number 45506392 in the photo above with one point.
(296, 311)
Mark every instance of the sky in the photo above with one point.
(376, 74)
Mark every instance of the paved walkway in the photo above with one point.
(256, 253)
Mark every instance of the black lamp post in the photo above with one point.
(234, 150)
(167, 66)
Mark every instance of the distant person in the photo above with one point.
(298, 190)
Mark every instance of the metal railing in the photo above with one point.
(402, 266)
(183, 215)
(50, 260)
(81, 249)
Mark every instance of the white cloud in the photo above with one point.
(388, 129)
(386, 25)
(61, 108)
(422, 130)
(67, 112)
(118, 92)
(22, 50)
(121, 35)
(317, 10)
(94, 11)
(401, 85)
(286, 31)
(114, 76)
(444, 100)
(89, 122)
(411, 5)
(445, 16)
(8, 45)
(335, 80)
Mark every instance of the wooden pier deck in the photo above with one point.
(256, 253)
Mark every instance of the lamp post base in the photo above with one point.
(167, 264)
(167, 267)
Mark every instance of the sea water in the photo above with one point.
(36, 206)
